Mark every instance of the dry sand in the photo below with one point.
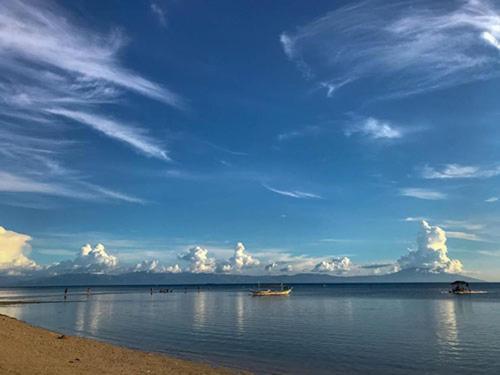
(25, 349)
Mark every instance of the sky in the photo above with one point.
(245, 137)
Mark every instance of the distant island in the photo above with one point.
(188, 278)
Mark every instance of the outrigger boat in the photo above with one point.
(460, 287)
(284, 291)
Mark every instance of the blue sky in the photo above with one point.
(306, 131)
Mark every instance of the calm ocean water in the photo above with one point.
(360, 328)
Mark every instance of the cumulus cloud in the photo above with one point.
(13, 249)
(271, 266)
(336, 265)
(173, 269)
(199, 261)
(431, 252)
(287, 268)
(154, 265)
(90, 259)
(242, 259)
(374, 129)
(400, 48)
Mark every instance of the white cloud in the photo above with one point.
(160, 13)
(271, 266)
(375, 129)
(491, 200)
(94, 260)
(299, 133)
(277, 261)
(490, 38)
(401, 48)
(154, 265)
(241, 259)
(414, 218)
(132, 136)
(431, 252)
(459, 171)
(334, 265)
(73, 189)
(39, 42)
(421, 193)
(148, 265)
(14, 183)
(14, 248)
(462, 224)
(287, 268)
(199, 260)
(173, 269)
(463, 236)
(52, 68)
(294, 193)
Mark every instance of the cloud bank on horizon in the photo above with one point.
(431, 254)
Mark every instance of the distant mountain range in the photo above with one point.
(183, 278)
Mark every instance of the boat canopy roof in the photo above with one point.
(459, 282)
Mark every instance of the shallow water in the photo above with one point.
(357, 328)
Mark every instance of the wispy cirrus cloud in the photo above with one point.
(374, 129)
(311, 130)
(404, 48)
(39, 43)
(55, 70)
(159, 13)
(464, 236)
(73, 189)
(128, 134)
(449, 171)
(293, 193)
(422, 193)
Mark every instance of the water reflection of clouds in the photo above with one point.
(240, 311)
(200, 310)
(447, 331)
(449, 313)
(89, 314)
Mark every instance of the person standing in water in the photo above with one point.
(65, 293)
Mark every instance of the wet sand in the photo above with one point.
(25, 349)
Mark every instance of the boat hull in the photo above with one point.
(270, 293)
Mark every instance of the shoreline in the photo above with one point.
(26, 349)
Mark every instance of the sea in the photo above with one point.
(318, 329)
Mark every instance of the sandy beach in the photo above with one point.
(25, 349)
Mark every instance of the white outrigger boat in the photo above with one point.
(284, 291)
